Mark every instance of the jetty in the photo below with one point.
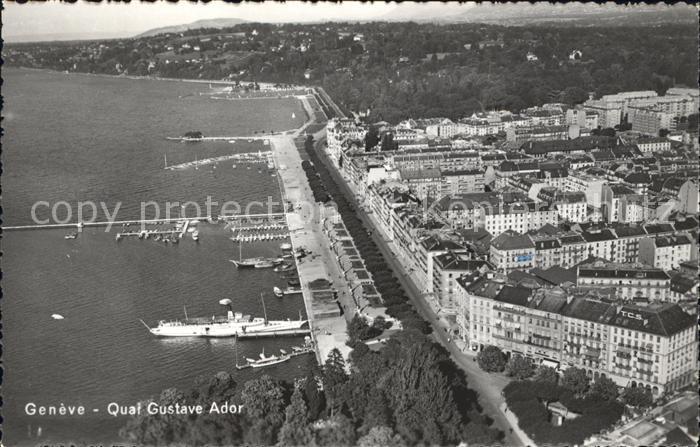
(274, 334)
(81, 225)
(262, 157)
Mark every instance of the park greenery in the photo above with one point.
(598, 404)
(401, 70)
(409, 393)
(491, 359)
(529, 400)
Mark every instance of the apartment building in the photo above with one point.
(447, 268)
(650, 145)
(630, 281)
(462, 181)
(649, 121)
(665, 252)
(512, 251)
(424, 183)
(654, 347)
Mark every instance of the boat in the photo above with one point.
(268, 360)
(264, 264)
(278, 292)
(71, 236)
(286, 246)
(235, 323)
(57, 316)
(195, 235)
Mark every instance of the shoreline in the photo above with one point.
(156, 78)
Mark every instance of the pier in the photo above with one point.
(244, 158)
(274, 334)
(80, 225)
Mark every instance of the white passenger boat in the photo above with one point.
(235, 323)
(268, 360)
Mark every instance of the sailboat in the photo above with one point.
(245, 263)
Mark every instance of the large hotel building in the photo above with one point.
(653, 346)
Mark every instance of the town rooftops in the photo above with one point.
(569, 197)
(555, 275)
(638, 178)
(484, 287)
(420, 174)
(659, 228)
(461, 172)
(627, 230)
(511, 166)
(619, 190)
(682, 283)
(511, 240)
(651, 140)
(613, 270)
(590, 310)
(687, 223)
(434, 243)
(661, 319)
(598, 235)
(453, 261)
(514, 295)
(671, 241)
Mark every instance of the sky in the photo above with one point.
(53, 20)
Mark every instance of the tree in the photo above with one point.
(576, 380)
(380, 436)
(663, 133)
(638, 397)
(371, 138)
(263, 400)
(574, 95)
(519, 367)
(336, 432)
(421, 394)
(604, 388)
(334, 376)
(491, 359)
(315, 400)
(295, 430)
(359, 330)
(545, 374)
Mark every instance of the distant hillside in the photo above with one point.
(207, 23)
(579, 14)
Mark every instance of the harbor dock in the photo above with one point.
(79, 225)
(275, 334)
(329, 330)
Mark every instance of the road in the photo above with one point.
(488, 386)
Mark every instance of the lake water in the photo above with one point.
(87, 138)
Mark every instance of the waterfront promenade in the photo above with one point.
(305, 232)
